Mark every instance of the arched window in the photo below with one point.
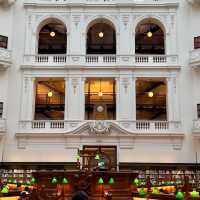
(149, 38)
(52, 38)
(101, 38)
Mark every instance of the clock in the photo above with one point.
(100, 108)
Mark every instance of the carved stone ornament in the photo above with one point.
(99, 127)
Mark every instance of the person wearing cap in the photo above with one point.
(81, 195)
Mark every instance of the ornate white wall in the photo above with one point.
(22, 143)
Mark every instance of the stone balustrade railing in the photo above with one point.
(134, 2)
(137, 127)
(102, 60)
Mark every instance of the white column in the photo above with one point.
(82, 98)
(134, 98)
(28, 99)
(75, 98)
(170, 99)
(66, 98)
(125, 99)
(117, 82)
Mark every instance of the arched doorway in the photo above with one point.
(149, 38)
(101, 38)
(52, 38)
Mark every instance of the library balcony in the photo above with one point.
(5, 58)
(131, 128)
(99, 60)
(107, 2)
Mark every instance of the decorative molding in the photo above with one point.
(5, 59)
(99, 128)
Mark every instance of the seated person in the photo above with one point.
(81, 195)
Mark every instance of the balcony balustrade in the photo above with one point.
(5, 58)
(134, 2)
(195, 58)
(137, 128)
(102, 60)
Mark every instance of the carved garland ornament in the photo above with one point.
(99, 127)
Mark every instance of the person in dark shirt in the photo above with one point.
(81, 195)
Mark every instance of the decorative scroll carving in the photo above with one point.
(100, 127)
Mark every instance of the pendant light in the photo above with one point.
(101, 34)
(52, 34)
(50, 94)
(150, 94)
(149, 33)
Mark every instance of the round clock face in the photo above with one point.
(100, 109)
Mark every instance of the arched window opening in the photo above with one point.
(149, 39)
(52, 39)
(101, 39)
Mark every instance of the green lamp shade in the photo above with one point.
(194, 194)
(100, 181)
(54, 180)
(10, 180)
(5, 190)
(155, 191)
(78, 157)
(178, 182)
(136, 181)
(65, 181)
(179, 195)
(97, 157)
(111, 180)
(142, 193)
(28, 183)
(33, 180)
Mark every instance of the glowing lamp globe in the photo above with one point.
(149, 34)
(101, 34)
(50, 94)
(100, 94)
(150, 94)
(52, 34)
